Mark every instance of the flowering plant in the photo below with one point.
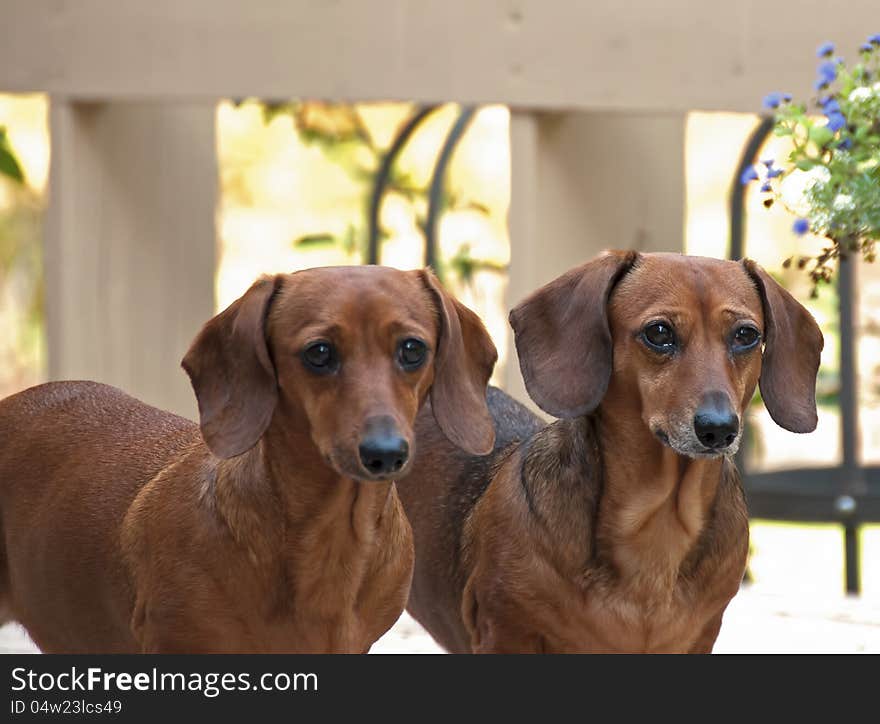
(835, 158)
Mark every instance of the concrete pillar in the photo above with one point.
(130, 244)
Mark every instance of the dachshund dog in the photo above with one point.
(276, 527)
(621, 527)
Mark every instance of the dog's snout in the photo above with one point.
(383, 451)
(715, 423)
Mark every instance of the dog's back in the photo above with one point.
(82, 451)
(438, 505)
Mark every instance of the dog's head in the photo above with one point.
(679, 341)
(349, 354)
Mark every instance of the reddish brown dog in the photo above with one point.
(278, 528)
(621, 527)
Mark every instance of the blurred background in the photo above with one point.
(157, 158)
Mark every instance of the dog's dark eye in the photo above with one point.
(320, 357)
(745, 338)
(659, 336)
(411, 353)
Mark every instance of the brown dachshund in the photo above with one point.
(278, 528)
(621, 527)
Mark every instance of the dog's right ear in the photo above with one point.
(562, 336)
(232, 373)
(464, 362)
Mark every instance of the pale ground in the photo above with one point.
(756, 622)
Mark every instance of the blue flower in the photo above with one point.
(831, 106)
(775, 172)
(824, 50)
(820, 84)
(866, 48)
(845, 144)
(801, 227)
(765, 187)
(836, 121)
(874, 39)
(772, 100)
(768, 162)
(828, 70)
(748, 175)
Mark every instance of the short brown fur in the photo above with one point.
(126, 530)
(611, 530)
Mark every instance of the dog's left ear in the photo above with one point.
(232, 373)
(463, 364)
(792, 346)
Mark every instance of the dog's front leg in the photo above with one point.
(496, 634)
(706, 640)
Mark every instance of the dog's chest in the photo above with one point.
(630, 618)
(343, 586)
(659, 601)
(330, 585)
(657, 593)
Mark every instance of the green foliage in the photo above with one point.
(465, 265)
(339, 131)
(836, 140)
(9, 165)
(315, 241)
(21, 273)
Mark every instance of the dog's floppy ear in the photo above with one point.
(463, 364)
(792, 346)
(232, 373)
(562, 336)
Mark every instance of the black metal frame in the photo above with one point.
(849, 493)
(384, 173)
(435, 189)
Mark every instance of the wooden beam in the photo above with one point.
(536, 54)
(130, 244)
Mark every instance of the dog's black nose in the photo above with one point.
(715, 423)
(382, 450)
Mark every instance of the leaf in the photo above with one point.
(805, 164)
(821, 135)
(272, 110)
(327, 121)
(9, 165)
(314, 241)
(477, 206)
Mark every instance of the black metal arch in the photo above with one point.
(436, 187)
(384, 173)
(438, 182)
(849, 493)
